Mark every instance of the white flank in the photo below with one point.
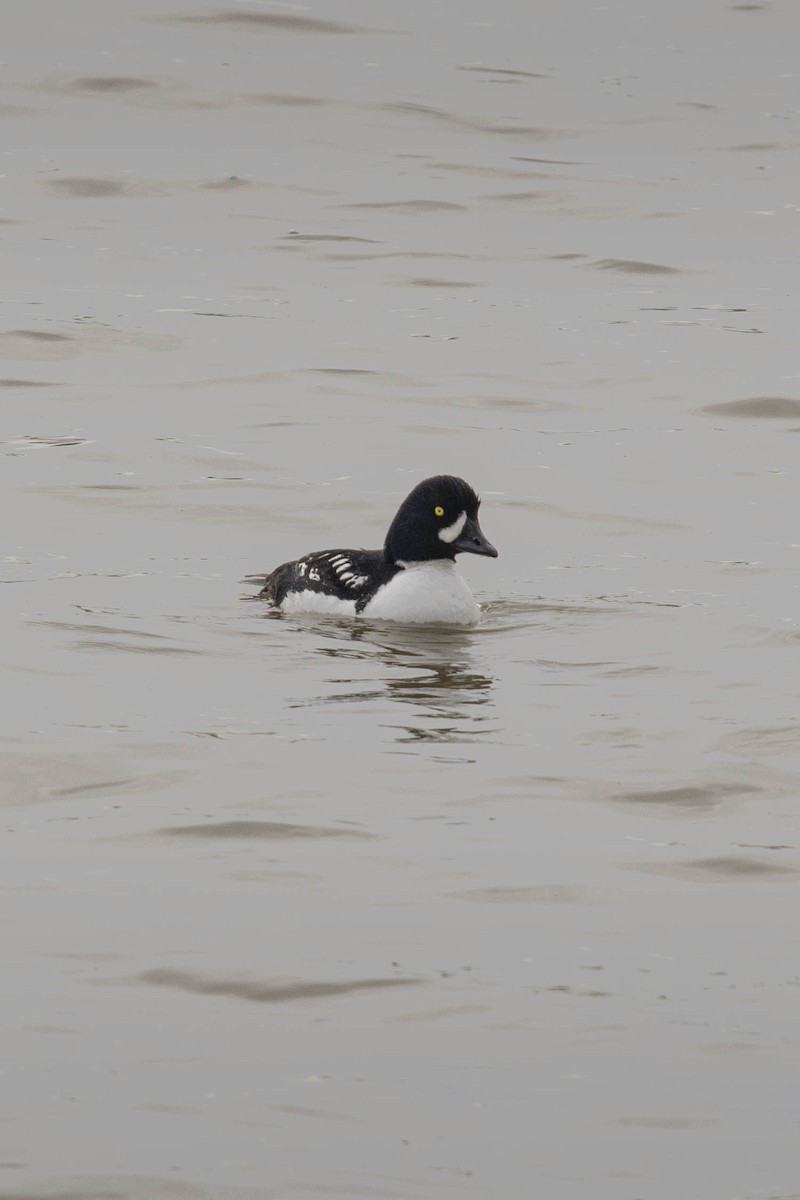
(451, 532)
(317, 602)
(428, 593)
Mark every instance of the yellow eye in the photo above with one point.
(439, 510)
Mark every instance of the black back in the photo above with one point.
(346, 574)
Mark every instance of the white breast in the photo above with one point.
(426, 594)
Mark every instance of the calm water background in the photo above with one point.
(297, 908)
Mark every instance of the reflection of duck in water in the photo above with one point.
(453, 701)
(444, 687)
(412, 579)
(431, 670)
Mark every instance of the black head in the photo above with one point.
(439, 519)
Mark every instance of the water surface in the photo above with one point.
(299, 907)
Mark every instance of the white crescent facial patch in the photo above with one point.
(451, 532)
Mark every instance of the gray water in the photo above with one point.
(295, 907)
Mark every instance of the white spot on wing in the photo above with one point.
(346, 573)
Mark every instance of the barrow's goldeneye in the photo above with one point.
(412, 579)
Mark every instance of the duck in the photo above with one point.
(413, 579)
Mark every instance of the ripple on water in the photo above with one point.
(689, 799)
(759, 408)
(260, 831)
(267, 22)
(726, 868)
(630, 266)
(263, 991)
